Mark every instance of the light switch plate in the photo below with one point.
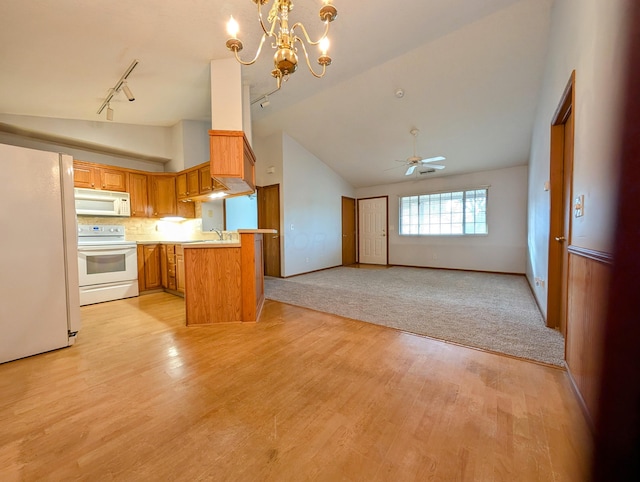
(578, 206)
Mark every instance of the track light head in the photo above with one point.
(265, 102)
(127, 91)
(109, 112)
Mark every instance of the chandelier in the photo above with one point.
(285, 60)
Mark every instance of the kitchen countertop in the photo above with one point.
(211, 244)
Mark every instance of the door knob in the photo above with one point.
(560, 238)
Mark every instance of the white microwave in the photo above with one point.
(90, 202)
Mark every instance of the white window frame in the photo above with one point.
(456, 221)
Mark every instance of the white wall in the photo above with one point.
(311, 197)
(586, 36)
(190, 145)
(143, 147)
(502, 250)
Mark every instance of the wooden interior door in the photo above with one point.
(372, 230)
(348, 231)
(561, 169)
(269, 218)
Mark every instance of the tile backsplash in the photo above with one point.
(148, 229)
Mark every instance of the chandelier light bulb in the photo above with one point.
(324, 45)
(232, 27)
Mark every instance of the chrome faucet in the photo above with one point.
(219, 233)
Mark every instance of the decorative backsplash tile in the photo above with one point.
(148, 229)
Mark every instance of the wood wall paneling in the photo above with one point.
(587, 303)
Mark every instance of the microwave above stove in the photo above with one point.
(90, 202)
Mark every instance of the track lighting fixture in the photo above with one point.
(120, 85)
(127, 91)
(265, 102)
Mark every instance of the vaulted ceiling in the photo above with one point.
(470, 72)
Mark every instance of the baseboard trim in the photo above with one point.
(312, 271)
(457, 269)
(581, 400)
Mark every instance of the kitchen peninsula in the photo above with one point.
(224, 281)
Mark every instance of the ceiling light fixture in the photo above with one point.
(109, 112)
(120, 85)
(285, 60)
(127, 91)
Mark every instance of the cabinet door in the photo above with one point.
(152, 275)
(206, 182)
(181, 186)
(180, 268)
(113, 180)
(83, 175)
(193, 183)
(163, 196)
(164, 271)
(139, 195)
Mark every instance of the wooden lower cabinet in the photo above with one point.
(160, 266)
(180, 268)
(149, 267)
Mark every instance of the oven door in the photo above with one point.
(106, 264)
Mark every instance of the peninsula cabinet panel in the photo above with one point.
(139, 194)
(212, 287)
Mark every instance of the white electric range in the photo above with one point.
(107, 264)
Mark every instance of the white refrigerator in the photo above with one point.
(39, 294)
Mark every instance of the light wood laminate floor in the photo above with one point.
(301, 395)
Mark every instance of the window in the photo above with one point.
(445, 213)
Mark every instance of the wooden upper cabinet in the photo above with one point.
(209, 184)
(188, 184)
(232, 161)
(90, 176)
(139, 193)
(162, 195)
(206, 181)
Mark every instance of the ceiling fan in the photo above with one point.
(416, 161)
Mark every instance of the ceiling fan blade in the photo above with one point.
(410, 170)
(432, 159)
(434, 166)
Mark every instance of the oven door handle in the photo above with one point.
(115, 249)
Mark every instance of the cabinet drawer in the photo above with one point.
(171, 269)
(171, 258)
(172, 284)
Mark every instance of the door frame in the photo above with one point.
(353, 229)
(560, 210)
(358, 211)
(260, 190)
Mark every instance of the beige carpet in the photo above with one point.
(495, 312)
